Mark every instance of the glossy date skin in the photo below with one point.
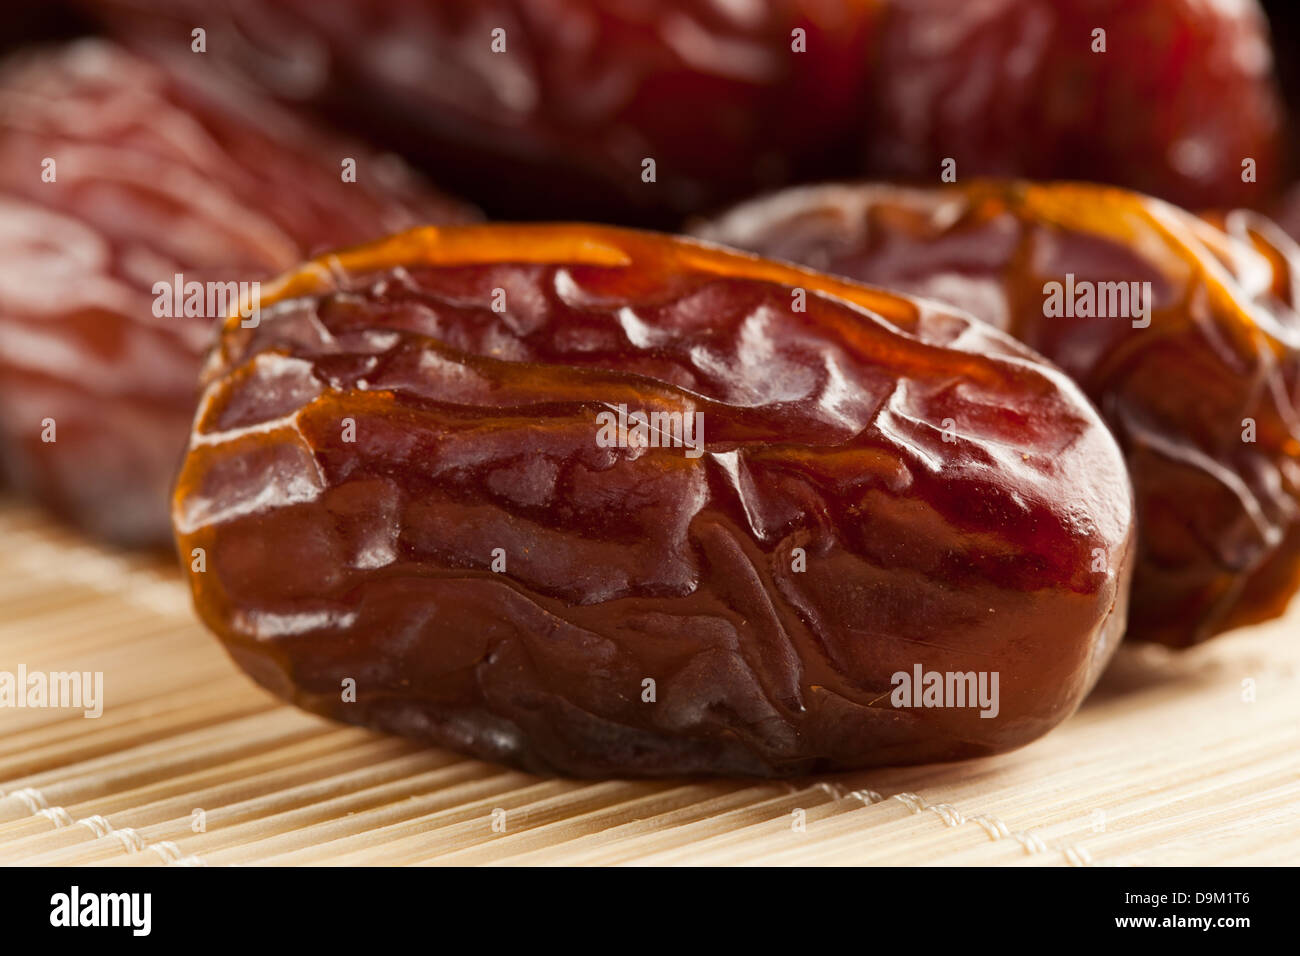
(153, 171)
(558, 123)
(1218, 515)
(556, 119)
(397, 478)
(1182, 94)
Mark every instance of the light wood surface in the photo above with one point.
(1189, 758)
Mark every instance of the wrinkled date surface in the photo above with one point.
(117, 174)
(1182, 94)
(554, 115)
(604, 502)
(549, 108)
(1185, 336)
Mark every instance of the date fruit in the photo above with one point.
(1185, 335)
(116, 175)
(549, 108)
(1167, 97)
(604, 502)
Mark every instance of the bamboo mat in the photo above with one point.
(1169, 762)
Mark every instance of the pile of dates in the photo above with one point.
(969, 343)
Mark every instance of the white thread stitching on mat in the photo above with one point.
(133, 842)
(56, 815)
(130, 839)
(836, 791)
(166, 849)
(1030, 841)
(1078, 856)
(96, 825)
(948, 813)
(868, 797)
(951, 816)
(994, 827)
(31, 798)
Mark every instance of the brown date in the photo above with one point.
(549, 108)
(117, 174)
(1169, 99)
(602, 502)
(553, 116)
(1202, 391)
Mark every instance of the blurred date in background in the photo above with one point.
(642, 111)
